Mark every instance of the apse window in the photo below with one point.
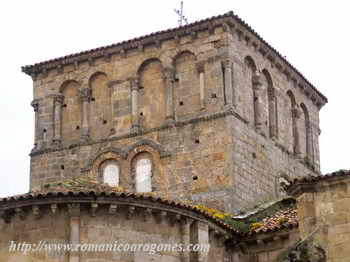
(143, 175)
(111, 174)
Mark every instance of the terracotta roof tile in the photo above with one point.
(84, 186)
(314, 179)
(280, 220)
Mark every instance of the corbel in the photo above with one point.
(147, 214)
(94, 207)
(107, 56)
(157, 43)
(194, 36)
(76, 64)
(177, 38)
(53, 208)
(112, 209)
(211, 28)
(130, 212)
(44, 72)
(59, 69)
(36, 212)
(19, 211)
(91, 61)
(74, 210)
(140, 47)
(122, 53)
(4, 214)
(239, 34)
(226, 28)
(162, 216)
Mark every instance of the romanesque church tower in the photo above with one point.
(208, 112)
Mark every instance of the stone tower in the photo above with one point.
(208, 112)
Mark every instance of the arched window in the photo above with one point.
(143, 176)
(110, 173)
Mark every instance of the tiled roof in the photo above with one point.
(84, 186)
(166, 34)
(309, 180)
(283, 219)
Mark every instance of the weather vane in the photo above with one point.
(180, 13)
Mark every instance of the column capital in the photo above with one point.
(200, 66)
(134, 83)
(296, 112)
(256, 79)
(227, 62)
(169, 73)
(58, 98)
(85, 94)
(35, 104)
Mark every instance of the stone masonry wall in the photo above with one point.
(198, 103)
(324, 216)
(107, 226)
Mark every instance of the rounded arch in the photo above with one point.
(146, 63)
(67, 83)
(292, 98)
(272, 105)
(109, 172)
(250, 63)
(96, 75)
(183, 53)
(147, 145)
(100, 106)
(151, 88)
(142, 168)
(187, 94)
(307, 135)
(71, 112)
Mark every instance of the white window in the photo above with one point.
(143, 175)
(111, 174)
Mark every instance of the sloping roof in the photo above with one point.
(85, 186)
(159, 36)
(311, 180)
(283, 219)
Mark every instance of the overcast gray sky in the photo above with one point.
(313, 35)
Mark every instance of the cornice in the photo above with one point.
(229, 22)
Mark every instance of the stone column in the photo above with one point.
(74, 224)
(200, 70)
(35, 105)
(257, 93)
(57, 104)
(85, 96)
(228, 89)
(272, 116)
(169, 83)
(202, 238)
(134, 84)
(295, 121)
(186, 237)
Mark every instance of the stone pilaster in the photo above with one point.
(169, 83)
(272, 115)
(134, 84)
(74, 224)
(186, 237)
(200, 70)
(35, 105)
(257, 91)
(85, 96)
(201, 232)
(57, 105)
(228, 89)
(296, 127)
